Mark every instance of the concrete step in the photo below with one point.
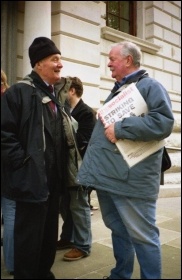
(170, 190)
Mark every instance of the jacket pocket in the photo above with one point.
(111, 164)
(29, 182)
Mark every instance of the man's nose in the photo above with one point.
(60, 65)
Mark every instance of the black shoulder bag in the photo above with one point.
(166, 161)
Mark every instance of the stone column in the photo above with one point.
(37, 23)
(9, 40)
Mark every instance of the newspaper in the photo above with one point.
(129, 102)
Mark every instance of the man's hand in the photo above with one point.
(109, 133)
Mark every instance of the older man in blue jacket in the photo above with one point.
(127, 196)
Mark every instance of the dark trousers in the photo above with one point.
(35, 237)
(64, 209)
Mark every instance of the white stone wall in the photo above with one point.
(159, 23)
(78, 28)
(163, 27)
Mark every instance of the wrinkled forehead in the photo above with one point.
(115, 52)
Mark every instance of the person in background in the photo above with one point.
(34, 156)
(128, 196)
(8, 211)
(75, 207)
(4, 82)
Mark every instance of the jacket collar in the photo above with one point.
(131, 78)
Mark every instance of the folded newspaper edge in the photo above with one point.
(135, 151)
(129, 102)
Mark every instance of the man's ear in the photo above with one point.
(129, 60)
(73, 91)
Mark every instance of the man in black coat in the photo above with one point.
(33, 148)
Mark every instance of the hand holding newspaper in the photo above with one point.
(127, 103)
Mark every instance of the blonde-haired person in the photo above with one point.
(8, 211)
(4, 82)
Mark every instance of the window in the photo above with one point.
(121, 15)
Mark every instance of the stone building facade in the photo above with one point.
(79, 29)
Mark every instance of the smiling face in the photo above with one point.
(120, 65)
(49, 68)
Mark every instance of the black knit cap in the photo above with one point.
(40, 48)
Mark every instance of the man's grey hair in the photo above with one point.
(129, 48)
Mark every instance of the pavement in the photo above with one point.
(101, 259)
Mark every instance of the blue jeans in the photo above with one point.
(132, 224)
(8, 212)
(80, 210)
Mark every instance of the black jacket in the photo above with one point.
(33, 145)
(86, 118)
